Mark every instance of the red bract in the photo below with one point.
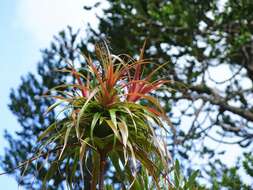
(137, 87)
(84, 89)
(113, 78)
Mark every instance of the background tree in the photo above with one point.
(230, 178)
(199, 38)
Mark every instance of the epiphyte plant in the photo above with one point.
(110, 116)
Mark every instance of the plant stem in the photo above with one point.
(102, 169)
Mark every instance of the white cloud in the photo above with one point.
(44, 18)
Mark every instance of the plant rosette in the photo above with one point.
(109, 112)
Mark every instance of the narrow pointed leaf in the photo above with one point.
(65, 140)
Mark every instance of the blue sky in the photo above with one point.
(15, 46)
(26, 27)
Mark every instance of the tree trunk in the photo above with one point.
(102, 169)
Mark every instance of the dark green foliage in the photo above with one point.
(205, 37)
(248, 163)
(232, 178)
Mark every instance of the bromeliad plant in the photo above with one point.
(108, 119)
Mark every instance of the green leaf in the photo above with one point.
(148, 164)
(114, 157)
(132, 117)
(81, 155)
(192, 179)
(113, 116)
(113, 127)
(177, 174)
(52, 170)
(109, 187)
(124, 131)
(54, 106)
(65, 140)
(74, 167)
(92, 94)
(95, 119)
(48, 130)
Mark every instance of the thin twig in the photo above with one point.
(35, 158)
